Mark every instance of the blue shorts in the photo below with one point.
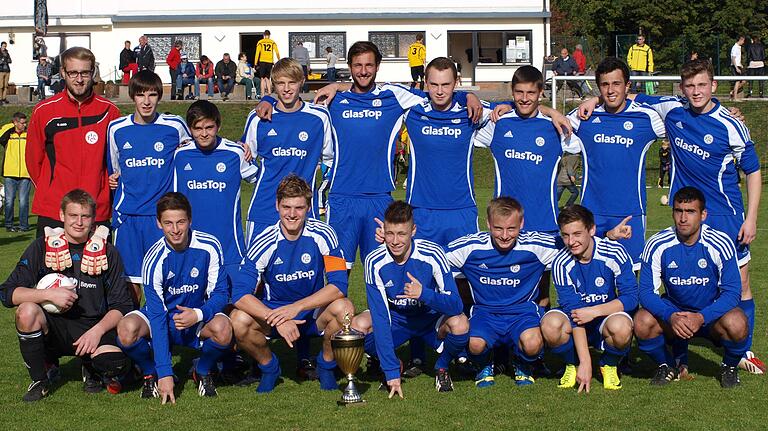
(307, 329)
(505, 329)
(133, 237)
(189, 337)
(352, 217)
(443, 226)
(730, 225)
(427, 330)
(633, 245)
(594, 329)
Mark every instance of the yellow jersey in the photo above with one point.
(417, 54)
(265, 49)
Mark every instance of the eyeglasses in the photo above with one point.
(83, 74)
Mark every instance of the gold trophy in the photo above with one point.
(348, 351)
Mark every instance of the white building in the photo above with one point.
(488, 42)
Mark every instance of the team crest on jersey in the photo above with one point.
(159, 146)
(306, 258)
(702, 263)
(188, 167)
(91, 137)
(456, 121)
(599, 281)
(628, 125)
(303, 136)
(508, 134)
(708, 139)
(515, 268)
(540, 141)
(194, 273)
(376, 103)
(221, 167)
(127, 146)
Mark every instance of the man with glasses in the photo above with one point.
(66, 142)
(640, 61)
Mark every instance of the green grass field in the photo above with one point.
(699, 404)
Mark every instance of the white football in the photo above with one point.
(54, 280)
(664, 200)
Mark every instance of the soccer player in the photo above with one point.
(417, 60)
(266, 54)
(411, 294)
(209, 174)
(140, 165)
(614, 142)
(186, 291)
(597, 292)
(293, 258)
(298, 136)
(708, 144)
(697, 265)
(86, 326)
(503, 267)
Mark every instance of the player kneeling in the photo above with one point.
(85, 326)
(186, 290)
(596, 289)
(411, 294)
(290, 258)
(698, 268)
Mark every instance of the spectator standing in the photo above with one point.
(755, 63)
(225, 75)
(567, 177)
(417, 61)
(736, 67)
(640, 61)
(266, 55)
(581, 63)
(13, 137)
(43, 76)
(185, 75)
(5, 72)
(301, 54)
(173, 59)
(330, 61)
(204, 74)
(128, 62)
(665, 162)
(145, 57)
(565, 65)
(244, 75)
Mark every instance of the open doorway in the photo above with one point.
(248, 43)
(460, 49)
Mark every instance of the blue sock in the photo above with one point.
(453, 345)
(656, 349)
(566, 351)
(680, 351)
(481, 360)
(748, 306)
(417, 348)
(210, 354)
(302, 349)
(611, 355)
(733, 351)
(325, 373)
(140, 352)
(269, 375)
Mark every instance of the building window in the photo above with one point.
(317, 42)
(504, 47)
(162, 43)
(55, 43)
(393, 44)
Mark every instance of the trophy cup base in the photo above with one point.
(359, 403)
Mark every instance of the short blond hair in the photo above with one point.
(287, 67)
(78, 53)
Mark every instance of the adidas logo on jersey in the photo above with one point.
(127, 146)
(389, 284)
(188, 167)
(171, 274)
(672, 265)
(344, 102)
(278, 261)
(679, 125)
(483, 266)
(272, 132)
(508, 134)
(596, 120)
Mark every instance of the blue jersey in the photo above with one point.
(143, 156)
(613, 151)
(385, 280)
(705, 151)
(291, 270)
(526, 153)
(606, 277)
(210, 179)
(440, 172)
(293, 142)
(502, 281)
(703, 277)
(191, 278)
(367, 125)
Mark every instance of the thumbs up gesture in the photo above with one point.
(412, 288)
(621, 231)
